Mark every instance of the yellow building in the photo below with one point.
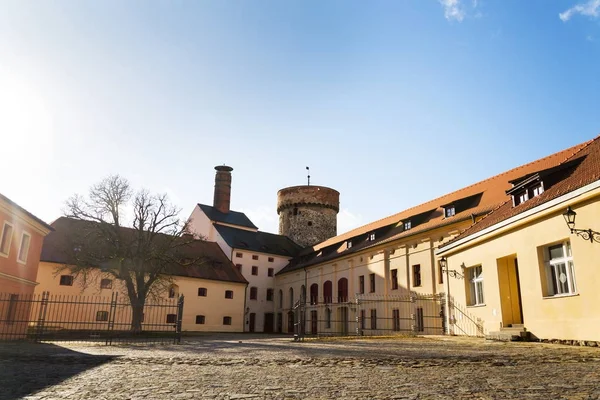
(214, 291)
(385, 276)
(523, 267)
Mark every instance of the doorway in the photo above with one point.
(343, 318)
(251, 327)
(290, 324)
(268, 328)
(313, 322)
(510, 291)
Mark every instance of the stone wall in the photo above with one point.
(308, 214)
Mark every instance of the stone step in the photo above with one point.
(508, 335)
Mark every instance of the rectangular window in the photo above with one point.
(253, 293)
(24, 247)
(348, 244)
(371, 237)
(270, 272)
(416, 275)
(254, 270)
(407, 225)
(200, 319)
(229, 294)
(539, 189)
(238, 255)
(394, 279)
(6, 238)
(475, 276)
(269, 294)
(271, 259)
(106, 283)
(450, 211)
(373, 319)
(171, 318)
(202, 292)
(560, 272)
(102, 316)
(372, 283)
(396, 320)
(328, 318)
(419, 320)
(255, 257)
(361, 284)
(363, 316)
(226, 320)
(66, 280)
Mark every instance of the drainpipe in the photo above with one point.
(447, 305)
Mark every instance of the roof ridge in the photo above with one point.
(576, 148)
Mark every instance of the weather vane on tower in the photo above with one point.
(308, 169)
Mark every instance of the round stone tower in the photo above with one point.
(308, 214)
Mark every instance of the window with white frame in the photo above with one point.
(560, 272)
(371, 237)
(537, 190)
(450, 211)
(24, 247)
(407, 225)
(475, 282)
(6, 238)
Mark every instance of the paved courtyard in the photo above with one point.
(259, 367)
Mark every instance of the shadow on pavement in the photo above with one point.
(27, 368)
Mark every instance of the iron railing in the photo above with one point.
(367, 315)
(46, 317)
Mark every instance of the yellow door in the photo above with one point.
(509, 291)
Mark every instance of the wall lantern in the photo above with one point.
(450, 272)
(586, 234)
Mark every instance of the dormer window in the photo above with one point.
(527, 192)
(349, 244)
(372, 236)
(537, 190)
(407, 225)
(449, 211)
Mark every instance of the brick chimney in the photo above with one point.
(222, 188)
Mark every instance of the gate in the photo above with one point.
(370, 315)
(45, 317)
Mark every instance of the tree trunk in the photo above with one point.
(137, 315)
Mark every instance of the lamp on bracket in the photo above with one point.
(586, 234)
(451, 272)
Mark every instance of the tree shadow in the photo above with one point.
(27, 368)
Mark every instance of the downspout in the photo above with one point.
(245, 298)
(447, 305)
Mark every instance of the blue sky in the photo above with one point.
(392, 103)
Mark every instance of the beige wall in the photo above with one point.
(214, 306)
(569, 317)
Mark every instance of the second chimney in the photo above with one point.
(222, 197)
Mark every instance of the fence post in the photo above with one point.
(179, 318)
(42, 316)
(111, 318)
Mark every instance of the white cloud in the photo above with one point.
(453, 10)
(348, 221)
(589, 9)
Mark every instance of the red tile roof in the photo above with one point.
(580, 169)
(484, 196)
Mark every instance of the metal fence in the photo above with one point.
(368, 315)
(464, 323)
(46, 317)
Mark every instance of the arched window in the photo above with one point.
(342, 290)
(327, 292)
(291, 297)
(314, 293)
(303, 294)
(280, 298)
(173, 291)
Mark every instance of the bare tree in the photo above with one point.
(142, 255)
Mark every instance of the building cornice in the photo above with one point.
(17, 279)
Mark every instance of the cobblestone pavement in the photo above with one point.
(244, 367)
